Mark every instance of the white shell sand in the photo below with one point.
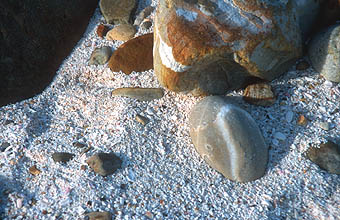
(162, 177)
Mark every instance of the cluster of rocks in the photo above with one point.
(211, 47)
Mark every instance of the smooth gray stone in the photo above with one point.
(62, 157)
(117, 11)
(228, 139)
(327, 157)
(141, 94)
(100, 56)
(99, 216)
(324, 53)
(104, 163)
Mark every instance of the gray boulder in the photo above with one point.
(324, 53)
(228, 139)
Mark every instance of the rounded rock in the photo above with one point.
(100, 56)
(123, 32)
(228, 139)
(324, 53)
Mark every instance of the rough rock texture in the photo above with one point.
(122, 32)
(327, 157)
(117, 11)
(100, 55)
(211, 47)
(133, 55)
(141, 94)
(104, 164)
(35, 37)
(143, 14)
(324, 53)
(228, 139)
(99, 216)
(259, 94)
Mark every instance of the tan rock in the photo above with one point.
(117, 11)
(123, 32)
(211, 47)
(133, 55)
(34, 170)
(99, 216)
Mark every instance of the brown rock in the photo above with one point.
(259, 94)
(134, 55)
(208, 48)
(99, 216)
(302, 120)
(102, 30)
(34, 170)
(123, 32)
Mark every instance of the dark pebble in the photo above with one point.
(79, 145)
(4, 146)
(7, 122)
(62, 157)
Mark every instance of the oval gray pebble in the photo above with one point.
(228, 139)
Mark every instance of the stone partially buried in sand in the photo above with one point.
(117, 11)
(122, 32)
(134, 55)
(327, 157)
(99, 216)
(141, 94)
(104, 163)
(100, 55)
(259, 94)
(228, 139)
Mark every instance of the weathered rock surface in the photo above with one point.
(327, 157)
(143, 14)
(62, 157)
(104, 164)
(146, 24)
(133, 55)
(324, 53)
(302, 65)
(117, 11)
(141, 94)
(99, 216)
(211, 47)
(35, 37)
(228, 139)
(100, 55)
(123, 32)
(259, 94)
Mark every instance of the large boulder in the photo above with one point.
(228, 139)
(35, 37)
(213, 46)
(324, 53)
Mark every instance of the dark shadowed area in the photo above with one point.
(35, 37)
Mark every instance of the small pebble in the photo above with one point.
(62, 157)
(280, 136)
(146, 24)
(7, 122)
(34, 170)
(4, 146)
(79, 145)
(100, 55)
(289, 116)
(141, 119)
(102, 30)
(302, 120)
(324, 125)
